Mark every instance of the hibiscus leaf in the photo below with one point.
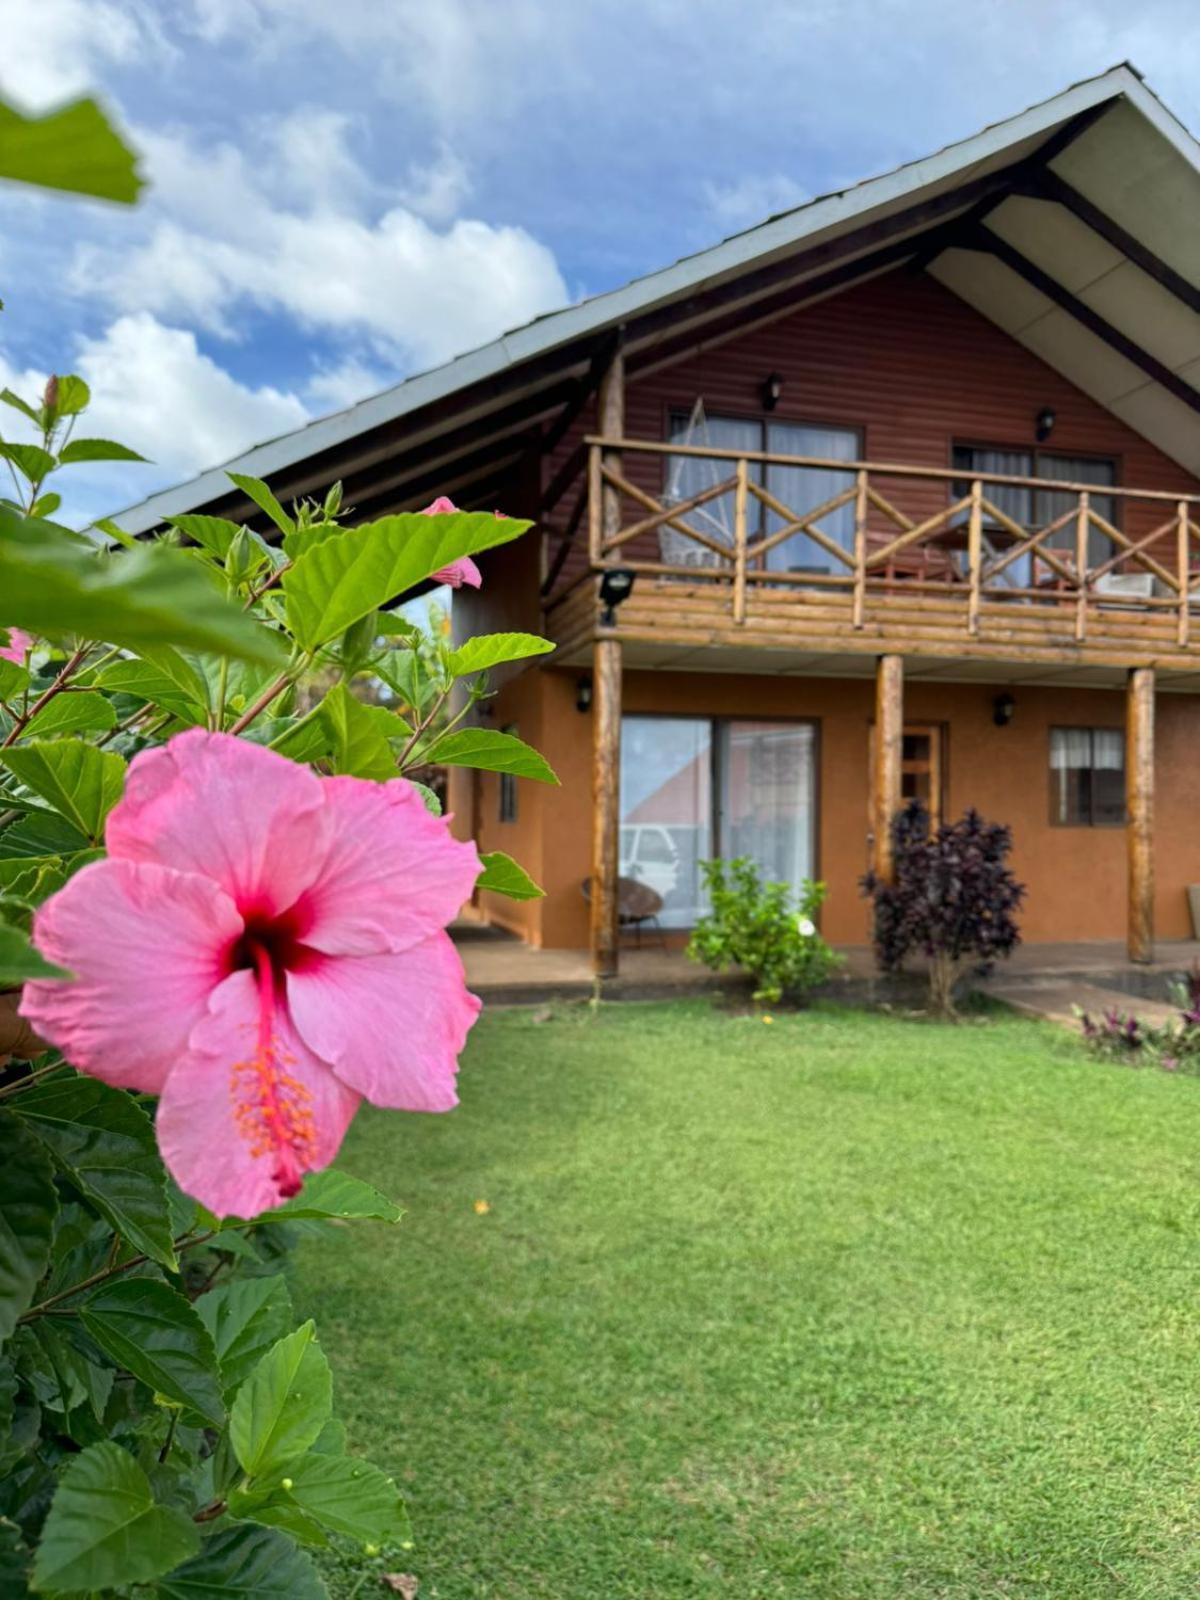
(14, 678)
(30, 460)
(28, 1207)
(490, 649)
(283, 1405)
(85, 712)
(490, 749)
(146, 682)
(153, 1332)
(40, 833)
(336, 1194)
(77, 450)
(337, 581)
(502, 875)
(104, 1528)
(264, 498)
(214, 534)
(20, 961)
(359, 735)
(244, 1563)
(82, 783)
(103, 1143)
(344, 1495)
(73, 147)
(245, 1316)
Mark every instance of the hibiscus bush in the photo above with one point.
(222, 926)
(764, 928)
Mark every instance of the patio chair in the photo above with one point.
(637, 905)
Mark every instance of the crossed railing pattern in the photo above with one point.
(885, 539)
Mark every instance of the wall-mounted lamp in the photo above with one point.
(772, 388)
(1044, 423)
(616, 585)
(583, 694)
(1003, 707)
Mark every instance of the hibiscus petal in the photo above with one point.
(208, 1126)
(459, 572)
(148, 946)
(393, 874)
(391, 1026)
(243, 816)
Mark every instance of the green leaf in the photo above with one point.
(153, 1332)
(283, 1404)
(359, 735)
(23, 406)
(28, 1207)
(255, 489)
(19, 960)
(502, 875)
(15, 1560)
(302, 539)
(492, 751)
(82, 783)
(72, 713)
(30, 460)
(490, 649)
(14, 678)
(307, 738)
(105, 1530)
(73, 148)
(147, 682)
(77, 450)
(40, 834)
(74, 395)
(346, 1496)
(245, 1563)
(337, 581)
(214, 534)
(245, 1317)
(152, 595)
(432, 804)
(336, 1194)
(45, 505)
(103, 1142)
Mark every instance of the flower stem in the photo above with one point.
(270, 693)
(70, 667)
(31, 1077)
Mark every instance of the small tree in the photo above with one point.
(764, 928)
(953, 899)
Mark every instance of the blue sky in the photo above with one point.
(343, 192)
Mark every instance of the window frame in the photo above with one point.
(507, 806)
(1091, 729)
(1037, 452)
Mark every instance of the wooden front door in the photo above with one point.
(922, 770)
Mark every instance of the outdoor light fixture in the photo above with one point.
(583, 694)
(771, 390)
(616, 585)
(1003, 707)
(1044, 424)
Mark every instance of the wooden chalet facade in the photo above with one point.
(897, 494)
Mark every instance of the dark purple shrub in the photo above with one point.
(953, 899)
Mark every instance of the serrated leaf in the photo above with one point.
(306, 739)
(16, 1561)
(283, 1405)
(77, 450)
(28, 1207)
(359, 735)
(82, 783)
(432, 804)
(74, 147)
(41, 833)
(491, 649)
(214, 534)
(23, 406)
(20, 961)
(14, 678)
(245, 1563)
(245, 1317)
(255, 489)
(153, 1332)
(147, 682)
(104, 1528)
(45, 505)
(301, 539)
(344, 1495)
(332, 1193)
(53, 584)
(82, 712)
(337, 581)
(74, 395)
(103, 1142)
(503, 875)
(490, 750)
(30, 460)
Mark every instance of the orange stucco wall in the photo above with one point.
(1075, 876)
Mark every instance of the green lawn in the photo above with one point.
(842, 1307)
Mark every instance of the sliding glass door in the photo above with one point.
(695, 787)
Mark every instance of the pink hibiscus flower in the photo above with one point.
(464, 569)
(18, 647)
(262, 949)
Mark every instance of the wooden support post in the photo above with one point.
(606, 803)
(974, 554)
(889, 749)
(861, 504)
(739, 542)
(1183, 566)
(1081, 566)
(1139, 802)
(610, 418)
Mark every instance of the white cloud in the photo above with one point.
(753, 199)
(219, 240)
(437, 190)
(336, 387)
(54, 49)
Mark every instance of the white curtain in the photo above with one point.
(768, 796)
(801, 489)
(1050, 503)
(689, 475)
(1071, 748)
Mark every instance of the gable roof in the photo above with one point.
(1074, 225)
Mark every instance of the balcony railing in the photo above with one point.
(902, 538)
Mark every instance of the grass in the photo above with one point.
(843, 1307)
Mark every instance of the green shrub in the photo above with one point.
(764, 928)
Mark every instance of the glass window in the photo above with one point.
(666, 810)
(508, 788)
(689, 475)
(1049, 504)
(802, 489)
(1087, 777)
(1035, 508)
(768, 792)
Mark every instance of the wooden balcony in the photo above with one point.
(906, 559)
